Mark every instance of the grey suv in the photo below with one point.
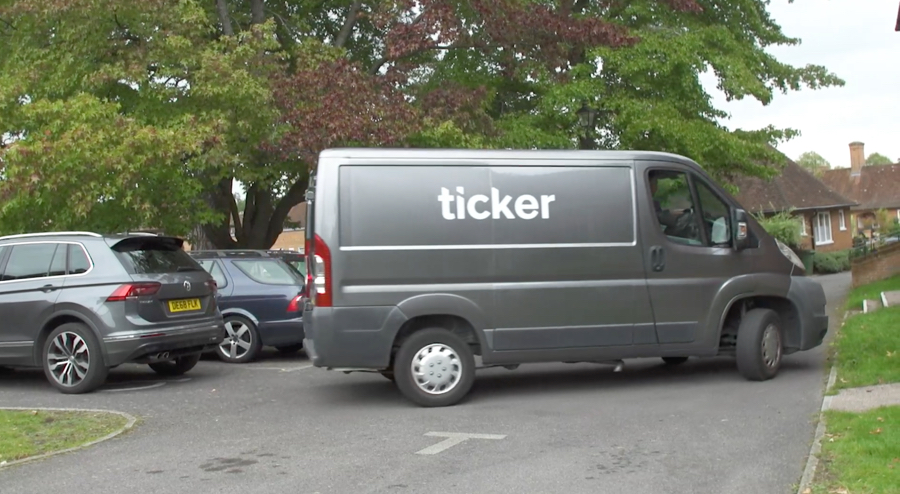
(80, 303)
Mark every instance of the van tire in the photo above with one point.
(760, 345)
(455, 348)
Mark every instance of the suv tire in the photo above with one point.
(176, 367)
(243, 330)
(450, 358)
(759, 345)
(77, 360)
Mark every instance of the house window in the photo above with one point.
(843, 223)
(822, 229)
(803, 225)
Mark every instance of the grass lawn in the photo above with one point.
(868, 349)
(860, 453)
(871, 291)
(26, 433)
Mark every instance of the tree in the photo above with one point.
(877, 159)
(252, 91)
(813, 162)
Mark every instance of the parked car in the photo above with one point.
(294, 258)
(422, 259)
(80, 303)
(260, 297)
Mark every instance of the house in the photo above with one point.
(294, 235)
(873, 187)
(824, 213)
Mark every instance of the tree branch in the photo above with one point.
(293, 197)
(347, 29)
(224, 17)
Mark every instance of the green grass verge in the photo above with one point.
(860, 453)
(872, 291)
(868, 349)
(25, 433)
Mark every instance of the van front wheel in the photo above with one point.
(434, 368)
(759, 345)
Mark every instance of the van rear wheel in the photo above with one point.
(759, 345)
(434, 368)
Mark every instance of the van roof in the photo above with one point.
(516, 154)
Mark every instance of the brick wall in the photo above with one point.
(878, 266)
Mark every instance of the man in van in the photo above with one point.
(666, 218)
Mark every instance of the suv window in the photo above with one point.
(152, 256)
(78, 260)
(267, 271)
(28, 261)
(215, 270)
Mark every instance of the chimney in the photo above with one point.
(857, 158)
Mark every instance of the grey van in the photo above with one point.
(420, 260)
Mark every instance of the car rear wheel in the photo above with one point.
(176, 367)
(289, 349)
(72, 359)
(434, 368)
(241, 343)
(759, 345)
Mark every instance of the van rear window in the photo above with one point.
(151, 256)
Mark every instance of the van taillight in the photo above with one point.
(133, 290)
(321, 296)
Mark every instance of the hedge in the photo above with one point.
(831, 262)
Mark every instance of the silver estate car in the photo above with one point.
(80, 303)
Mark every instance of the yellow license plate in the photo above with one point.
(184, 305)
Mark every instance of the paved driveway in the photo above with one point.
(280, 426)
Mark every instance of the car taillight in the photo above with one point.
(213, 287)
(322, 281)
(295, 306)
(130, 290)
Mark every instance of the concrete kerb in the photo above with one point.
(131, 420)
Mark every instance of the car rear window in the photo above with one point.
(154, 256)
(268, 272)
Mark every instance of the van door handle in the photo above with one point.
(657, 258)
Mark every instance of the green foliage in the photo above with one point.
(813, 162)
(784, 226)
(878, 159)
(831, 262)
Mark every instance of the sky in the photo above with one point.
(854, 39)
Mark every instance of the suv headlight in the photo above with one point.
(790, 254)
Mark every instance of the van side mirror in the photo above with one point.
(741, 234)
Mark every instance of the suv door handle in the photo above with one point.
(48, 288)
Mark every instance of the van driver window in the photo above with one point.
(716, 216)
(674, 206)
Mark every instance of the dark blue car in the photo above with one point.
(261, 299)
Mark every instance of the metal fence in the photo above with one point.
(864, 247)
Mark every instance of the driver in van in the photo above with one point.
(666, 218)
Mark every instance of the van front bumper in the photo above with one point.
(808, 297)
(351, 337)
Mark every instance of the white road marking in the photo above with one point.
(139, 388)
(454, 438)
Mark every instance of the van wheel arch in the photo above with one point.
(457, 325)
(785, 309)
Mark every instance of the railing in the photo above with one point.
(864, 247)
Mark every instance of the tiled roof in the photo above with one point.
(794, 188)
(877, 186)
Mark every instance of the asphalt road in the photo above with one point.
(280, 426)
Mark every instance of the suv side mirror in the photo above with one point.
(740, 234)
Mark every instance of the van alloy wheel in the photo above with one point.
(69, 359)
(436, 369)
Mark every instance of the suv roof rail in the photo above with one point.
(51, 234)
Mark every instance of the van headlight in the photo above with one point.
(790, 254)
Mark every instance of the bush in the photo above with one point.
(783, 226)
(831, 262)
